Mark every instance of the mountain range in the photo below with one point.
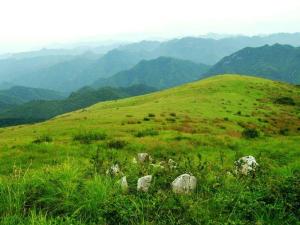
(67, 72)
(18, 95)
(163, 72)
(276, 62)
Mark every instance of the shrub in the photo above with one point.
(133, 121)
(250, 133)
(146, 119)
(170, 119)
(285, 101)
(88, 137)
(173, 114)
(147, 132)
(284, 131)
(43, 139)
(117, 144)
(151, 115)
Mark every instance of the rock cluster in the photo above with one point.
(183, 184)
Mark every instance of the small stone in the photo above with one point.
(134, 160)
(172, 164)
(114, 170)
(124, 184)
(144, 183)
(246, 165)
(144, 157)
(184, 184)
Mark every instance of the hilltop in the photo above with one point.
(56, 170)
(276, 62)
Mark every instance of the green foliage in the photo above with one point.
(151, 115)
(285, 101)
(43, 139)
(86, 137)
(116, 144)
(250, 133)
(64, 182)
(147, 132)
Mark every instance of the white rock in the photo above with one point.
(184, 184)
(114, 170)
(124, 184)
(246, 165)
(144, 157)
(172, 164)
(144, 183)
(134, 160)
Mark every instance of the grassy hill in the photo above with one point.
(159, 73)
(20, 94)
(55, 172)
(40, 110)
(276, 62)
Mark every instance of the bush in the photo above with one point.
(151, 115)
(285, 101)
(146, 119)
(147, 132)
(250, 133)
(43, 139)
(117, 144)
(284, 131)
(171, 119)
(88, 137)
(173, 114)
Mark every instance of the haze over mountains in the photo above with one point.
(34, 84)
(18, 95)
(67, 72)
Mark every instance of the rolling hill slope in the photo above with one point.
(19, 95)
(39, 109)
(57, 169)
(276, 62)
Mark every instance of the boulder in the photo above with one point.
(184, 184)
(114, 170)
(124, 184)
(246, 165)
(144, 183)
(144, 157)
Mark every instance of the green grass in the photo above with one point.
(197, 125)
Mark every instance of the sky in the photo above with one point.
(33, 24)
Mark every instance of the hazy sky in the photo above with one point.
(32, 23)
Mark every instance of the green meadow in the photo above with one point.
(55, 172)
